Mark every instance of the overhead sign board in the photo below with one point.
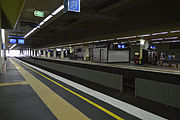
(38, 13)
(72, 5)
(20, 41)
(12, 41)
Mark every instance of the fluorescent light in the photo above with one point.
(132, 41)
(176, 41)
(146, 35)
(97, 41)
(110, 39)
(90, 42)
(171, 38)
(58, 49)
(3, 35)
(166, 41)
(175, 31)
(38, 26)
(58, 10)
(48, 17)
(13, 46)
(142, 42)
(156, 39)
(156, 42)
(126, 37)
(115, 43)
(161, 33)
(30, 32)
(103, 40)
(41, 23)
(45, 20)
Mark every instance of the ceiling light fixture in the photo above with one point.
(157, 39)
(48, 17)
(171, 38)
(13, 46)
(96, 41)
(45, 20)
(156, 42)
(115, 43)
(176, 41)
(41, 23)
(126, 37)
(142, 42)
(166, 41)
(58, 10)
(161, 33)
(103, 40)
(176, 31)
(146, 35)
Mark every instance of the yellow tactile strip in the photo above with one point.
(78, 95)
(14, 83)
(57, 105)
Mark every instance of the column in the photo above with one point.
(44, 53)
(71, 49)
(85, 51)
(62, 53)
(144, 44)
(29, 52)
(48, 54)
(1, 59)
(54, 53)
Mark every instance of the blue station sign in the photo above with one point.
(72, 5)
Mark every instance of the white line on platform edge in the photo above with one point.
(130, 109)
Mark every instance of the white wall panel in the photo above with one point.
(118, 56)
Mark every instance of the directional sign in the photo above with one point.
(72, 5)
(38, 13)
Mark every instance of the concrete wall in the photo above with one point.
(164, 93)
(111, 80)
(100, 54)
(118, 56)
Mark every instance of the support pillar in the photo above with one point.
(54, 54)
(144, 44)
(85, 52)
(62, 53)
(48, 54)
(71, 49)
(44, 53)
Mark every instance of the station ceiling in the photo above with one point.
(98, 19)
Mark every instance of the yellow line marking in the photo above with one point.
(56, 104)
(14, 83)
(78, 95)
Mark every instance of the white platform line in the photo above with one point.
(130, 109)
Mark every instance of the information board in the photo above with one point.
(72, 5)
(20, 41)
(12, 41)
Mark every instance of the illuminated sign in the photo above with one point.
(38, 13)
(72, 5)
(121, 46)
(20, 41)
(153, 47)
(12, 41)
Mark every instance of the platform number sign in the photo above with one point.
(72, 5)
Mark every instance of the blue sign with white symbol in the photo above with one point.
(12, 41)
(72, 5)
